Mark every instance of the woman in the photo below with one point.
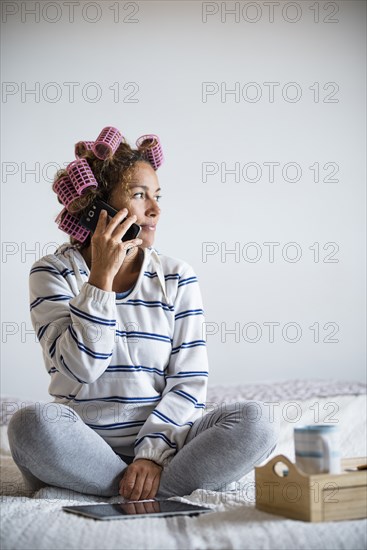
(121, 328)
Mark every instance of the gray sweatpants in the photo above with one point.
(221, 447)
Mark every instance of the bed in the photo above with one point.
(36, 521)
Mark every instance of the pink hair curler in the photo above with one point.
(152, 149)
(81, 175)
(65, 189)
(81, 147)
(107, 142)
(70, 225)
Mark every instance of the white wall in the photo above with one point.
(169, 52)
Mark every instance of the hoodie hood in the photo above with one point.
(77, 261)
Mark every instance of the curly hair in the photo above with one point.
(110, 174)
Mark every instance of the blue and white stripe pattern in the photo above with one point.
(133, 366)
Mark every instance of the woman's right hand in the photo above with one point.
(108, 251)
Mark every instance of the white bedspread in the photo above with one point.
(38, 522)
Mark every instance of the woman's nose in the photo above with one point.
(153, 209)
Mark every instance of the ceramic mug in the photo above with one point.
(317, 448)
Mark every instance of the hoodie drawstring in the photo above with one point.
(159, 271)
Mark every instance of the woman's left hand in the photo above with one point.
(140, 480)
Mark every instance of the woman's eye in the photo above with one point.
(141, 195)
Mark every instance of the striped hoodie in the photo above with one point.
(134, 368)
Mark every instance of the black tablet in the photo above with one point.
(137, 509)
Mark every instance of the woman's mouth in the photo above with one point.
(148, 227)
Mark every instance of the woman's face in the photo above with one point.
(144, 196)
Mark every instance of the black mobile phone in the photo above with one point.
(90, 219)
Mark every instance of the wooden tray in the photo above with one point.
(282, 489)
